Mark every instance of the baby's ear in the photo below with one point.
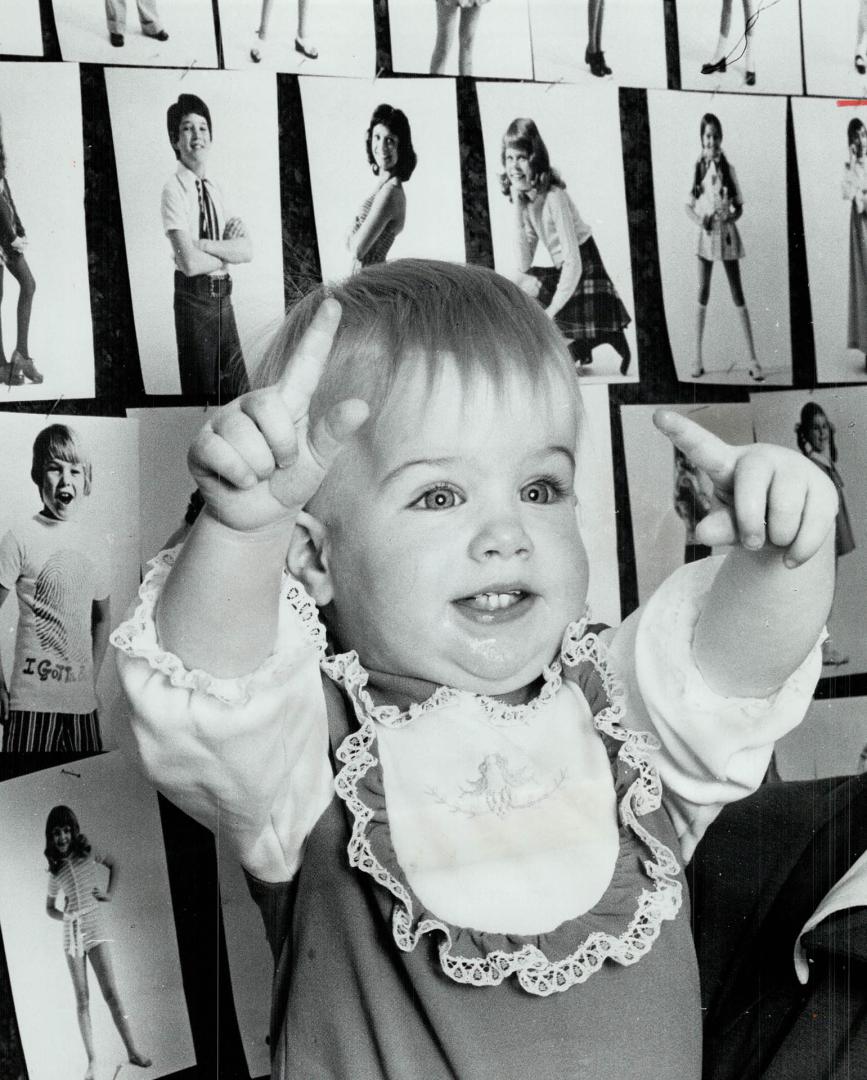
(307, 558)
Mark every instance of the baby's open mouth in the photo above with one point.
(65, 497)
(493, 601)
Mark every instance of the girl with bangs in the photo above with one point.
(576, 292)
(74, 873)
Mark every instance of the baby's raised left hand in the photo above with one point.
(767, 496)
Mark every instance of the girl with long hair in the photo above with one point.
(73, 871)
(381, 217)
(576, 291)
(715, 204)
(13, 241)
(815, 435)
(855, 193)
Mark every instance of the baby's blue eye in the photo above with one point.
(438, 498)
(542, 491)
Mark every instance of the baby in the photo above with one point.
(466, 834)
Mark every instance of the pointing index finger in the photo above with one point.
(704, 449)
(301, 376)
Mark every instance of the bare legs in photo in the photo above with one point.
(861, 41)
(20, 365)
(723, 54)
(733, 273)
(593, 55)
(303, 45)
(100, 960)
(448, 20)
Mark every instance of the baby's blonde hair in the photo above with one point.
(416, 311)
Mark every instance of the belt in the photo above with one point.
(212, 287)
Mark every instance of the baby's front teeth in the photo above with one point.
(494, 601)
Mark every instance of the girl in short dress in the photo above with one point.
(855, 193)
(381, 217)
(576, 291)
(448, 20)
(815, 435)
(13, 241)
(715, 204)
(73, 871)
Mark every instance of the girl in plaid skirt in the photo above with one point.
(576, 291)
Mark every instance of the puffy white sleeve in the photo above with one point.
(713, 749)
(246, 757)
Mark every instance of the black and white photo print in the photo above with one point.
(740, 46)
(307, 37)
(831, 145)
(828, 426)
(20, 28)
(835, 47)
(580, 41)
(69, 544)
(142, 33)
(486, 38)
(198, 173)
(385, 171)
(719, 182)
(43, 247)
(669, 494)
(88, 925)
(560, 229)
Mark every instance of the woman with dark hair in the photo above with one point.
(815, 435)
(13, 241)
(576, 291)
(715, 204)
(380, 218)
(855, 192)
(74, 871)
(723, 54)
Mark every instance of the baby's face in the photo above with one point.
(63, 484)
(452, 539)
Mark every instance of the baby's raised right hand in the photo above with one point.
(256, 460)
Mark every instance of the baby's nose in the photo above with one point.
(504, 536)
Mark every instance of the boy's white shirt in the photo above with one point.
(249, 757)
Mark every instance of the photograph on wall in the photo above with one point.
(43, 246)
(397, 192)
(669, 494)
(831, 146)
(88, 924)
(464, 37)
(830, 741)
(69, 544)
(719, 182)
(740, 46)
(167, 493)
(141, 33)
(20, 28)
(202, 227)
(304, 37)
(558, 214)
(835, 47)
(827, 426)
(582, 41)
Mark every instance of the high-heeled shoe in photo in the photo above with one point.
(307, 50)
(24, 368)
(714, 66)
(258, 47)
(756, 373)
(750, 78)
(860, 64)
(598, 67)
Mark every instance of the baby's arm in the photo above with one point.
(769, 601)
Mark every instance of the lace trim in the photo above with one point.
(535, 972)
(137, 637)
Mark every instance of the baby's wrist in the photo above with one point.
(263, 534)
